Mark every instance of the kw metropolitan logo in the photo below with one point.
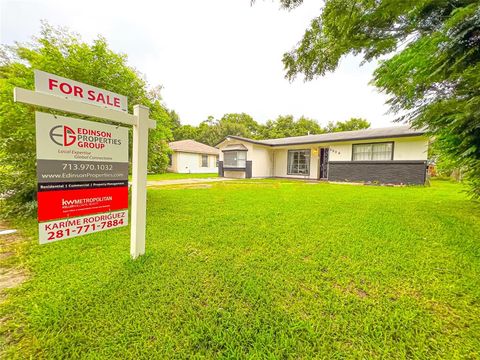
(63, 135)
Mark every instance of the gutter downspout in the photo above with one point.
(273, 164)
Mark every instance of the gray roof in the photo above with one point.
(380, 133)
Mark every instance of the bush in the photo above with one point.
(60, 52)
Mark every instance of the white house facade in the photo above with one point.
(189, 156)
(396, 155)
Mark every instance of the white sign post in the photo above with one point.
(73, 98)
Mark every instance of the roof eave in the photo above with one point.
(349, 140)
(195, 152)
(259, 142)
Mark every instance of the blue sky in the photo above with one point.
(211, 56)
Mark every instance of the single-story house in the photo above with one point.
(190, 156)
(396, 155)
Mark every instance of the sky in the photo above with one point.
(211, 56)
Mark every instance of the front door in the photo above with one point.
(324, 163)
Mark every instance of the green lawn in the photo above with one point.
(172, 176)
(262, 269)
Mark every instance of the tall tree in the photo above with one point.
(185, 132)
(212, 131)
(175, 119)
(349, 125)
(60, 52)
(432, 76)
(208, 132)
(286, 126)
(306, 126)
(241, 119)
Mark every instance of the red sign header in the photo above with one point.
(74, 90)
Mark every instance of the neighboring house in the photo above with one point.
(396, 155)
(190, 156)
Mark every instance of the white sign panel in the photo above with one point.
(74, 90)
(82, 170)
(65, 138)
(67, 228)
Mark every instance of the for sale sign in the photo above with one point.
(74, 90)
(82, 169)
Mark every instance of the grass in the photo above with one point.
(174, 176)
(262, 269)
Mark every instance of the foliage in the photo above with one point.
(175, 119)
(433, 77)
(243, 120)
(445, 165)
(286, 126)
(185, 132)
(60, 52)
(158, 149)
(261, 269)
(349, 125)
(213, 131)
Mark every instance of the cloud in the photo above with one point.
(212, 57)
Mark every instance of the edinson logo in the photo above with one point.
(63, 135)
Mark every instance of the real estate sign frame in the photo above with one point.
(60, 94)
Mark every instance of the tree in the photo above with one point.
(158, 149)
(349, 125)
(444, 166)
(212, 131)
(432, 76)
(245, 122)
(60, 52)
(208, 132)
(175, 119)
(306, 126)
(286, 126)
(185, 132)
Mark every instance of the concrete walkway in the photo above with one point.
(185, 181)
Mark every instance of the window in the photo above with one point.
(375, 151)
(298, 162)
(204, 160)
(235, 159)
(170, 159)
